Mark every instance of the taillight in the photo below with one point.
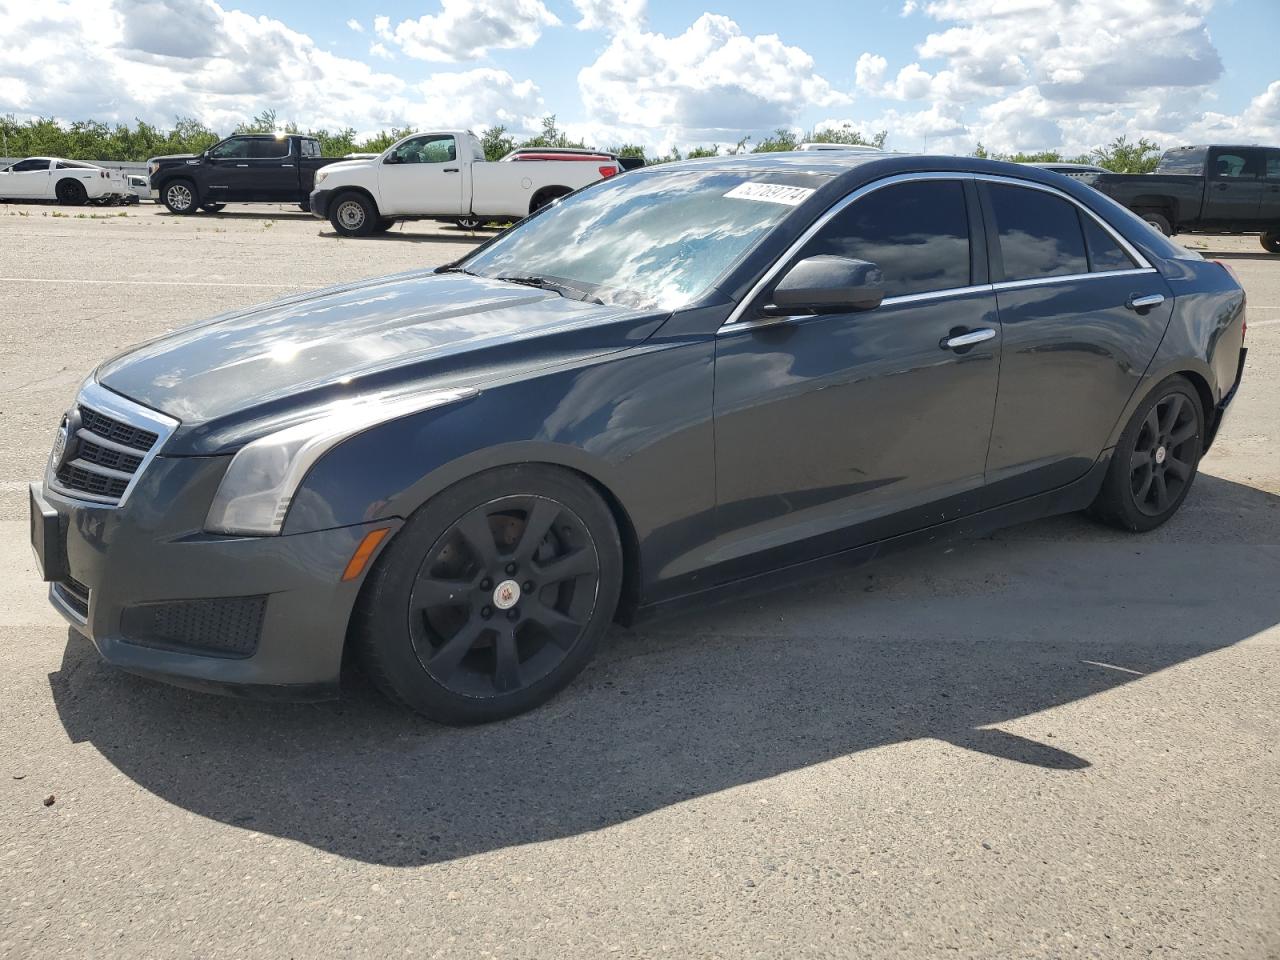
(607, 171)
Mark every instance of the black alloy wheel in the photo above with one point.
(1165, 454)
(70, 193)
(493, 596)
(503, 596)
(1155, 462)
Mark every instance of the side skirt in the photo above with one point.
(1075, 496)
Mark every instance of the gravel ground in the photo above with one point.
(1059, 741)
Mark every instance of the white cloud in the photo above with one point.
(356, 25)
(468, 29)
(611, 16)
(94, 64)
(711, 82)
(380, 50)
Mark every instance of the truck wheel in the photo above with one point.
(353, 215)
(1271, 241)
(492, 597)
(212, 207)
(382, 226)
(547, 195)
(180, 197)
(70, 193)
(1157, 220)
(469, 223)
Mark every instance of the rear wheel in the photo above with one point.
(212, 207)
(70, 193)
(1157, 220)
(1271, 241)
(493, 596)
(546, 196)
(1155, 462)
(353, 215)
(180, 197)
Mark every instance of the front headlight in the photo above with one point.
(320, 175)
(259, 485)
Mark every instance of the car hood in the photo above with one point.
(241, 374)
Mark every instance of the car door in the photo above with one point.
(28, 180)
(271, 171)
(226, 168)
(1233, 188)
(1269, 211)
(422, 175)
(836, 430)
(1077, 337)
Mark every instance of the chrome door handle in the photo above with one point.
(241, 164)
(961, 340)
(286, 164)
(1144, 303)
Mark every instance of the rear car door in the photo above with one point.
(1233, 186)
(1269, 211)
(837, 430)
(28, 180)
(422, 176)
(1077, 334)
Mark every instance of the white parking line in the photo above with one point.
(153, 283)
(1263, 323)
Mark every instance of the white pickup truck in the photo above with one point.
(444, 176)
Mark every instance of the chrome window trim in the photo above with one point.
(99, 398)
(735, 318)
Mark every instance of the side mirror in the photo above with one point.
(827, 284)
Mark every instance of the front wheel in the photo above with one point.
(493, 596)
(353, 215)
(180, 197)
(1154, 463)
(1271, 241)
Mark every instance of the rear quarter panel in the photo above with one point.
(509, 188)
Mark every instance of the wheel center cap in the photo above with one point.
(506, 595)
(1160, 454)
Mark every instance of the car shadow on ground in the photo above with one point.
(448, 235)
(293, 214)
(1040, 616)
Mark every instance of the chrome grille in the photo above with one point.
(113, 440)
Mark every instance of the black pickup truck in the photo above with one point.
(246, 168)
(1217, 189)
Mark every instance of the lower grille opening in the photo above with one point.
(219, 627)
(74, 594)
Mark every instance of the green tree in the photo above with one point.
(497, 142)
(781, 139)
(1121, 156)
(846, 134)
(551, 136)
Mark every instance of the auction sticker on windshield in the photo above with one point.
(771, 193)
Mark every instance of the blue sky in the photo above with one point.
(937, 74)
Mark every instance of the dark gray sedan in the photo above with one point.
(669, 385)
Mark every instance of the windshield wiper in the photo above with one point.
(455, 269)
(558, 286)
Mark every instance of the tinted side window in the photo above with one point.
(29, 166)
(310, 148)
(1039, 233)
(1273, 164)
(1190, 162)
(1234, 165)
(917, 233)
(265, 148)
(1104, 253)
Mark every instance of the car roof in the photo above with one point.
(1060, 165)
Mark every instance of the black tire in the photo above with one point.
(1157, 220)
(353, 215)
(382, 226)
(213, 207)
(547, 195)
(305, 206)
(1155, 462)
(429, 626)
(1271, 241)
(180, 197)
(71, 193)
(470, 223)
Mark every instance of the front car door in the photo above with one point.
(422, 176)
(837, 430)
(1233, 189)
(1075, 344)
(28, 180)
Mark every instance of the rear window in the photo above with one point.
(1183, 161)
(1040, 234)
(268, 148)
(310, 148)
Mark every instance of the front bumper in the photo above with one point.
(320, 203)
(149, 588)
